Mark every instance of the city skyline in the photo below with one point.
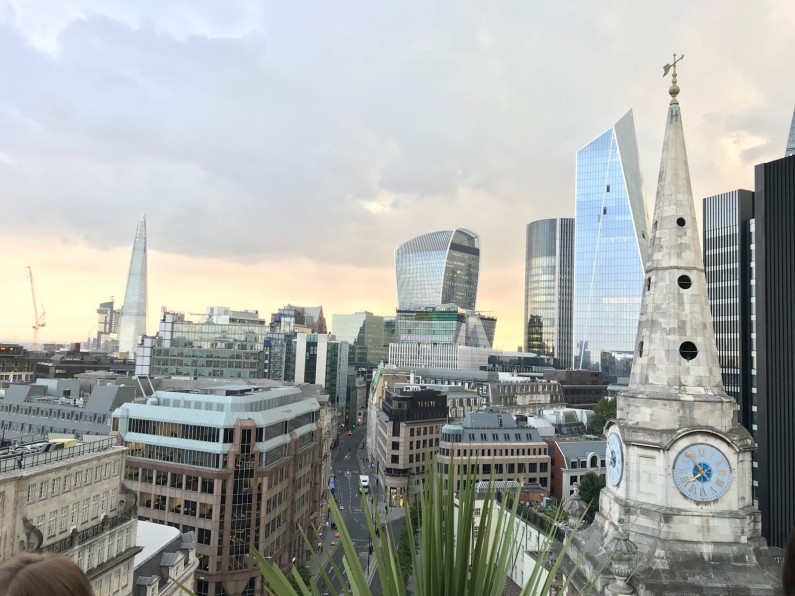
(392, 123)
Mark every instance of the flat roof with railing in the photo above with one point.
(32, 455)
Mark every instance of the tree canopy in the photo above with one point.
(590, 486)
(602, 412)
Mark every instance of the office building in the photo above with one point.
(727, 254)
(17, 365)
(237, 465)
(66, 497)
(438, 268)
(285, 324)
(496, 448)
(610, 250)
(224, 344)
(773, 251)
(320, 359)
(407, 432)
(548, 289)
(69, 362)
(132, 324)
(365, 334)
(107, 339)
(791, 138)
(749, 255)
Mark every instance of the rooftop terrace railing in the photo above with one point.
(20, 460)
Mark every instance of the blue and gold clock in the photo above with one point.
(614, 458)
(702, 472)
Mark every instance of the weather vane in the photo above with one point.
(674, 89)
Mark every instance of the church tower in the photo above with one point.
(676, 515)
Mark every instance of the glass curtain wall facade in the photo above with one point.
(726, 243)
(611, 247)
(438, 268)
(365, 334)
(232, 349)
(791, 138)
(774, 357)
(549, 272)
(133, 314)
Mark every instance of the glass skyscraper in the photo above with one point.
(365, 335)
(438, 268)
(611, 246)
(132, 324)
(791, 139)
(549, 272)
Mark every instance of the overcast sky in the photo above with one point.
(282, 150)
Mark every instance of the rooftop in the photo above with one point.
(154, 538)
(24, 456)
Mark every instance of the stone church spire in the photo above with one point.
(675, 353)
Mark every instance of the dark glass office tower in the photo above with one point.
(727, 254)
(774, 205)
(549, 281)
(749, 257)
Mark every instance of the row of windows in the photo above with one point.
(52, 488)
(502, 452)
(112, 583)
(62, 520)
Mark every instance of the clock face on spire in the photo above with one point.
(614, 457)
(702, 472)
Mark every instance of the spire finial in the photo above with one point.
(674, 89)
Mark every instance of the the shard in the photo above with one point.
(132, 324)
(791, 139)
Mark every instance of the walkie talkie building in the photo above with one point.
(438, 268)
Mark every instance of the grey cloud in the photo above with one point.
(261, 137)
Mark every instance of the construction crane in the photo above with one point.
(39, 321)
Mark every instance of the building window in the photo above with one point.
(43, 487)
(90, 558)
(395, 459)
(63, 521)
(114, 498)
(94, 506)
(103, 507)
(52, 522)
(73, 516)
(56, 486)
(67, 483)
(31, 493)
(84, 512)
(543, 467)
(78, 479)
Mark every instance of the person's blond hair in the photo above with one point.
(42, 575)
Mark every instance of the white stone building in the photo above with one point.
(67, 497)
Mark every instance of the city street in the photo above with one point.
(347, 464)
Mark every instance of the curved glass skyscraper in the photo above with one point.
(610, 251)
(132, 324)
(549, 281)
(438, 268)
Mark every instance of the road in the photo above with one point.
(347, 464)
